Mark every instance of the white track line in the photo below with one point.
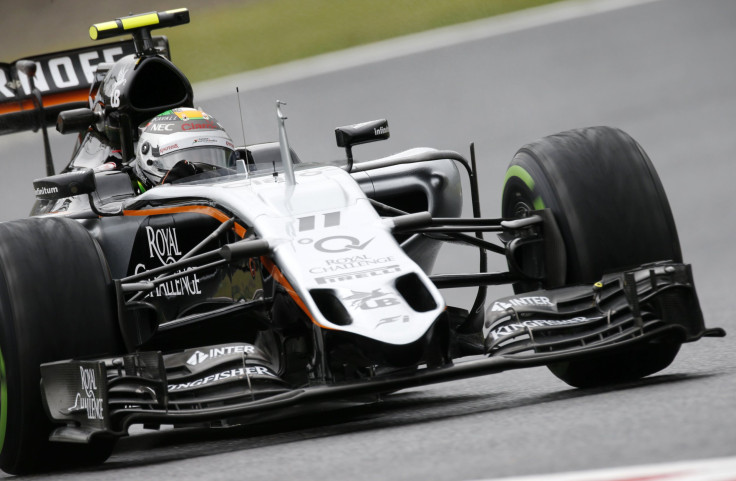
(722, 469)
(410, 44)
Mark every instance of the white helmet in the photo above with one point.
(181, 134)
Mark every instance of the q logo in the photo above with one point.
(340, 243)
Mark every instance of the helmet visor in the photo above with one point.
(217, 156)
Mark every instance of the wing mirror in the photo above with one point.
(76, 120)
(59, 186)
(360, 134)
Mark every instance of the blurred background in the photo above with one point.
(230, 36)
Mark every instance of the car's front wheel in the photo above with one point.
(56, 302)
(612, 213)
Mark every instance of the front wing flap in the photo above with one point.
(622, 306)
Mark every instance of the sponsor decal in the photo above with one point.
(239, 373)
(57, 73)
(166, 117)
(349, 263)
(205, 140)
(375, 299)
(208, 125)
(388, 320)
(160, 127)
(46, 190)
(115, 99)
(87, 400)
(199, 357)
(366, 273)
(114, 85)
(507, 329)
(163, 150)
(380, 130)
(187, 285)
(521, 301)
(163, 245)
(340, 243)
(330, 219)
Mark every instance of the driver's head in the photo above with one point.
(177, 135)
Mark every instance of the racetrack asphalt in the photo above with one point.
(660, 70)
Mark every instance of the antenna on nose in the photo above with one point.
(242, 122)
(241, 163)
(284, 144)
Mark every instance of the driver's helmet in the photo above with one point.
(177, 135)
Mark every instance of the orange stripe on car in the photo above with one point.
(281, 279)
(188, 209)
(48, 101)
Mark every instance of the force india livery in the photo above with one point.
(257, 286)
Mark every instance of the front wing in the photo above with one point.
(105, 397)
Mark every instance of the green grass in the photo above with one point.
(233, 38)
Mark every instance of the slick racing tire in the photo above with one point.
(56, 303)
(612, 213)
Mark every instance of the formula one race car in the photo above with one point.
(234, 290)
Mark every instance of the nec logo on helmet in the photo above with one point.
(161, 127)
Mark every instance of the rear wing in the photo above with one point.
(63, 79)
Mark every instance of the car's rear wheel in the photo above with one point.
(56, 302)
(612, 213)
